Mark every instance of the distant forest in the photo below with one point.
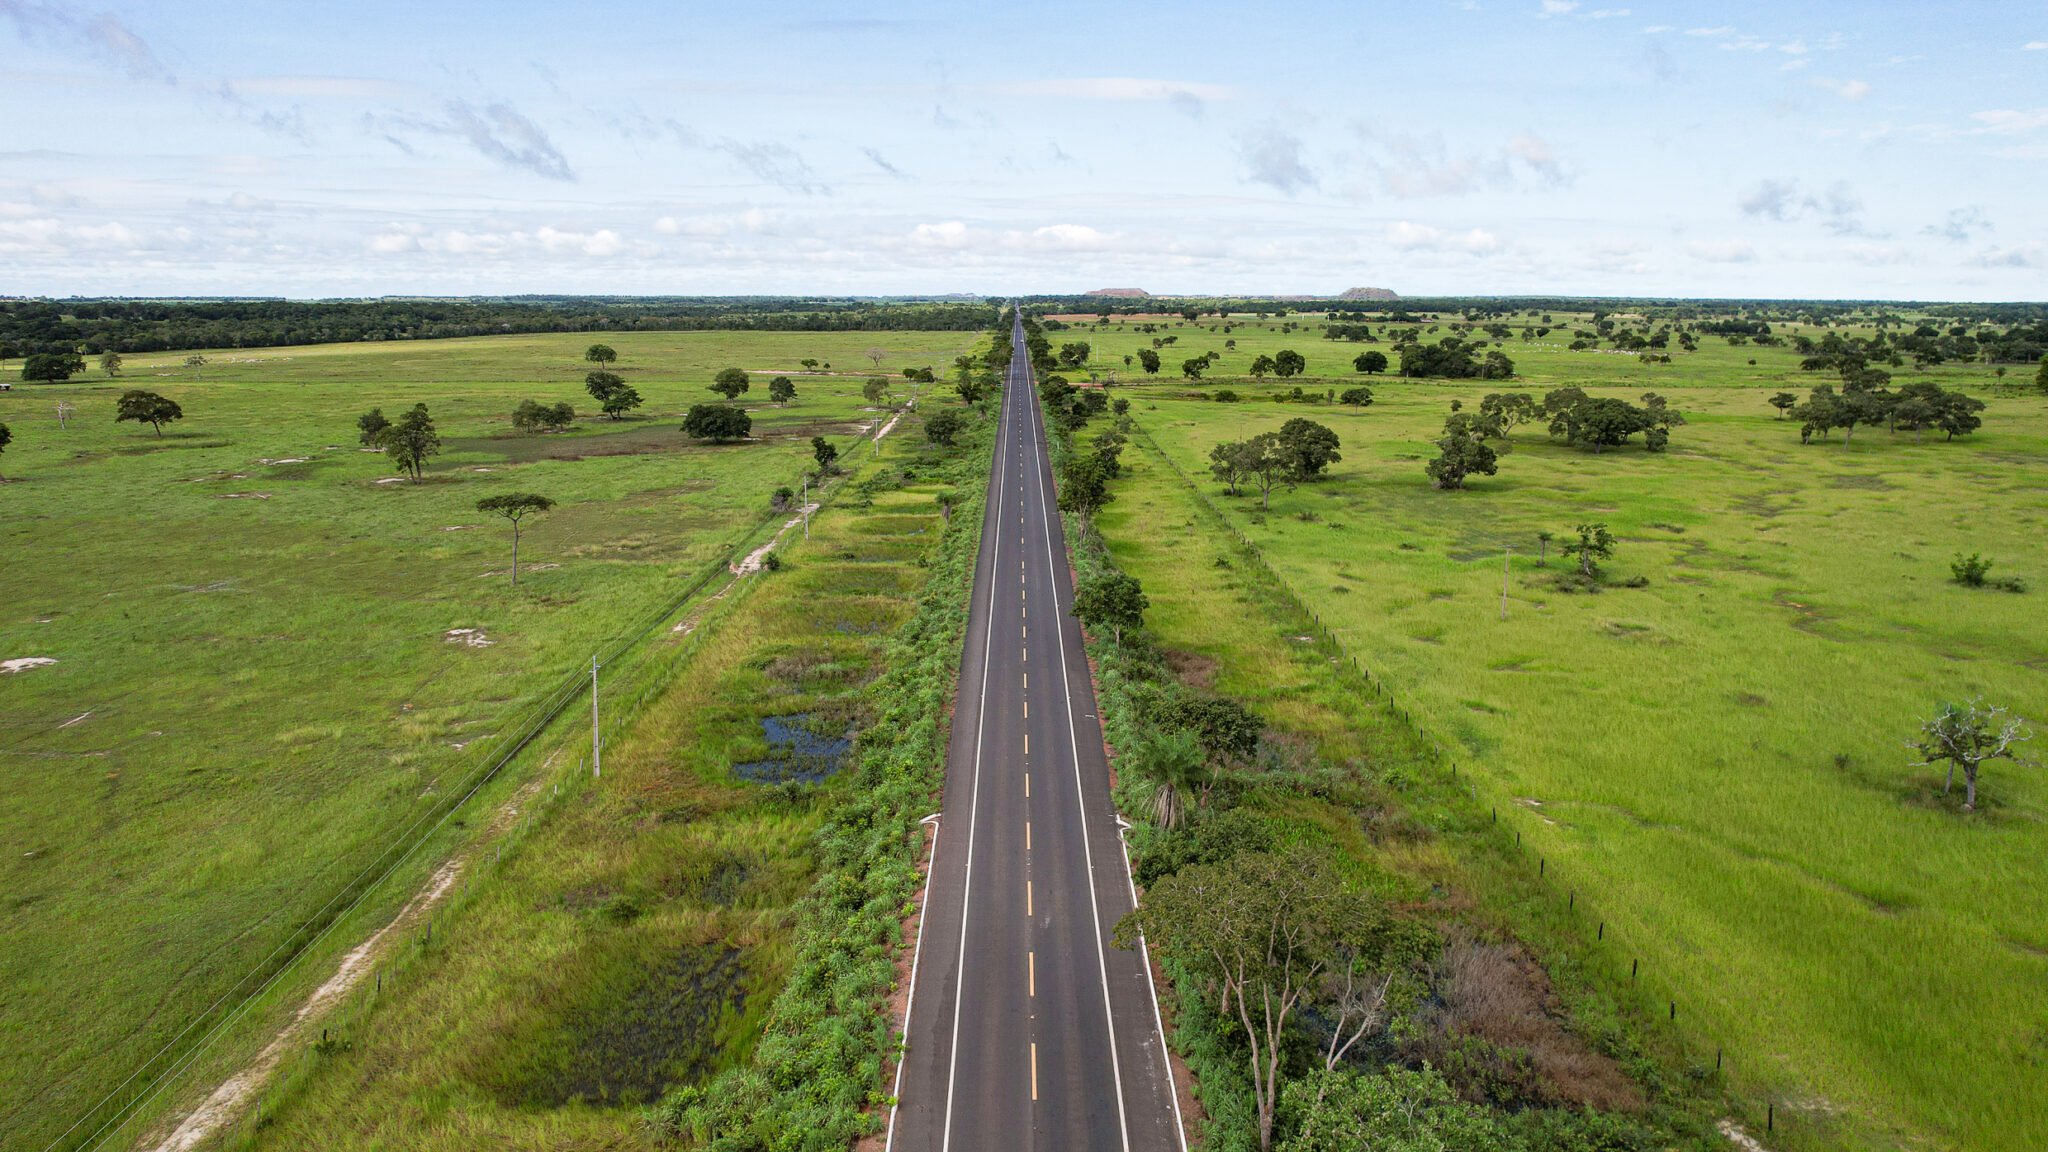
(91, 327)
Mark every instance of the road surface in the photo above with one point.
(1028, 1028)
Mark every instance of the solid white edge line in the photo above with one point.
(973, 810)
(1080, 791)
(910, 1002)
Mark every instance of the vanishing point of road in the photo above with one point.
(1028, 1028)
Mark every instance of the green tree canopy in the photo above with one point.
(730, 382)
(1113, 601)
(370, 428)
(515, 506)
(717, 422)
(601, 355)
(147, 408)
(51, 367)
(781, 390)
(1309, 448)
(410, 440)
(944, 426)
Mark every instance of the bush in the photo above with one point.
(1974, 571)
(1224, 396)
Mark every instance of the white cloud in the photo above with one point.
(462, 242)
(321, 87)
(1836, 207)
(1122, 88)
(2028, 256)
(1711, 33)
(2011, 121)
(1063, 238)
(949, 234)
(1846, 89)
(1557, 8)
(1723, 252)
(2035, 46)
(1412, 237)
(752, 221)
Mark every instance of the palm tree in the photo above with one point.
(1172, 763)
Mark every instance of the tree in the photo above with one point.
(601, 355)
(1288, 362)
(6, 437)
(1266, 464)
(1461, 452)
(2041, 376)
(370, 427)
(1171, 761)
(1360, 397)
(51, 367)
(876, 388)
(1262, 366)
(944, 426)
(1085, 487)
(1193, 369)
(1309, 447)
(110, 363)
(1370, 363)
(730, 382)
(781, 390)
(1074, 355)
(1149, 361)
(1504, 410)
(195, 362)
(876, 355)
(1258, 932)
(717, 422)
(810, 364)
(1543, 538)
(1230, 463)
(1393, 1110)
(614, 396)
(1968, 736)
(411, 440)
(1113, 601)
(1784, 402)
(533, 416)
(515, 506)
(826, 454)
(1595, 543)
(147, 408)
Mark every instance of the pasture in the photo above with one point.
(1713, 762)
(268, 657)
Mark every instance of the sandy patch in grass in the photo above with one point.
(392, 480)
(473, 637)
(24, 663)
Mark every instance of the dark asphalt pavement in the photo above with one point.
(1028, 1028)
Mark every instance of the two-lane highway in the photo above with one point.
(1028, 1028)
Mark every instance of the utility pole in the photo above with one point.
(1505, 553)
(595, 768)
(805, 504)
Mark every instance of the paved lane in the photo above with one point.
(1028, 1028)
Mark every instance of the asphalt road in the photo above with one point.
(1028, 1028)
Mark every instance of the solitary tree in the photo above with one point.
(1967, 736)
(600, 355)
(514, 506)
(875, 389)
(51, 367)
(781, 390)
(1288, 362)
(64, 411)
(1784, 402)
(614, 396)
(1149, 361)
(1359, 397)
(110, 363)
(370, 428)
(1370, 363)
(1113, 601)
(944, 426)
(1595, 543)
(1193, 369)
(1260, 933)
(1171, 761)
(1543, 538)
(195, 362)
(1461, 453)
(717, 422)
(730, 382)
(147, 408)
(411, 440)
(826, 454)
(6, 437)
(876, 355)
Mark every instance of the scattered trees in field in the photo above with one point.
(1974, 571)
(1149, 361)
(717, 422)
(1454, 358)
(147, 408)
(1916, 407)
(370, 428)
(826, 454)
(1506, 409)
(1370, 363)
(51, 367)
(601, 355)
(1288, 362)
(1595, 543)
(1258, 460)
(944, 426)
(533, 416)
(614, 396)
(110, 363)
(730, 382)
(781, 390)
(1261, 933)
(1968, 736)
(1113, 601)
(410, 440)
(515, 506)
(1360, 397)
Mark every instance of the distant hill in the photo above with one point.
(1369, 294)
(1124, 293)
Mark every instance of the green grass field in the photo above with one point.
(254, 684)
(1714, 762)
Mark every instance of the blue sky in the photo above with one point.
(1495, 146)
